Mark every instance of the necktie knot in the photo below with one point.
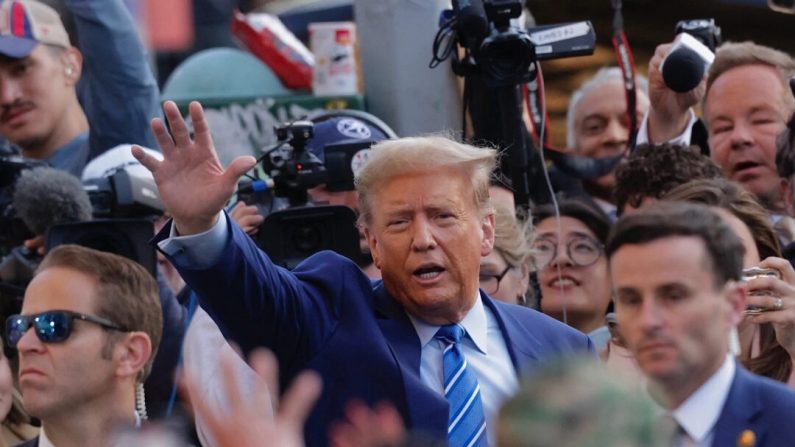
(450, 334)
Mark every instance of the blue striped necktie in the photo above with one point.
(466, 425)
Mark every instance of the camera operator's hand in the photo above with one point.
(668, 114)
(36, 244)
(192, 182)
(780, 301)
(247, 217)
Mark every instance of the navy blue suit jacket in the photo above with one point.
(328, 316)
(758, 404)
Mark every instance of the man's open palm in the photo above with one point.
(192, 182)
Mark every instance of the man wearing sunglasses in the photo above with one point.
(89, 328)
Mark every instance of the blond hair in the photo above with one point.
(391, 158)
(513, 237)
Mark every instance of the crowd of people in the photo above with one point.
(654, 305)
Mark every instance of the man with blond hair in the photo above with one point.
(424, 338)
(745, 103)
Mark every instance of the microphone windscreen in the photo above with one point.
(683, 70)
(472, 21)
(45, 196)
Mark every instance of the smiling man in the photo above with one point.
(675, 269)
(96, 324)
(425, 210)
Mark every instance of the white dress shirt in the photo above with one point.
(698, 414)
(44, 441)
(682, 139)
(486, 353)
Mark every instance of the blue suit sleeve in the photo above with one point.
(117, 89)
(256, 303)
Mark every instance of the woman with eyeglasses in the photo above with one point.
(572, 268)
(505, 272)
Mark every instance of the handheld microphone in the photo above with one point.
(46, 196)
(687, 61)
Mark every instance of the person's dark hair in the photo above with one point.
(730, 196)
(724, 249)
(785, 150)
(773, 360)
(593, 218)
(652, 170)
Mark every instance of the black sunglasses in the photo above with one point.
(52, 326)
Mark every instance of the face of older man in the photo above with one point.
(427, 237)
(746, 111)
(601, 126)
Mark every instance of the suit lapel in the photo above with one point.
(741, 412)
(427, 409)
(518, 339)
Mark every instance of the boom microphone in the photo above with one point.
(45, 196)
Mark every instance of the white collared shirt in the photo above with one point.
(682, 139)
(44, 441)
(486, 353)
(698, 414)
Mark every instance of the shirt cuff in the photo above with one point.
(197, 251)
(682, 139)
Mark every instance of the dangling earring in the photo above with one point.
(140, 404)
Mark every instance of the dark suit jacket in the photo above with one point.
(758, 404)
(328, 316)
(29, 443)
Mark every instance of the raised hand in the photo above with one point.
(193, 184)
(668, 114)
(249, 420)
(365, 427)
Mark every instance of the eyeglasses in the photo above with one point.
(490, 283)
(582, 251)
(51, 327)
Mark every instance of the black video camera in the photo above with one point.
(506, 53)
(294, 231)
(291, 167)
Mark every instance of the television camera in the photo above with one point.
(313, 157)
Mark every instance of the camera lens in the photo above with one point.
(307, 239)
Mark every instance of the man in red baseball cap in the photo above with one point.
(40, 112)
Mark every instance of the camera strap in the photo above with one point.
(626, 63)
